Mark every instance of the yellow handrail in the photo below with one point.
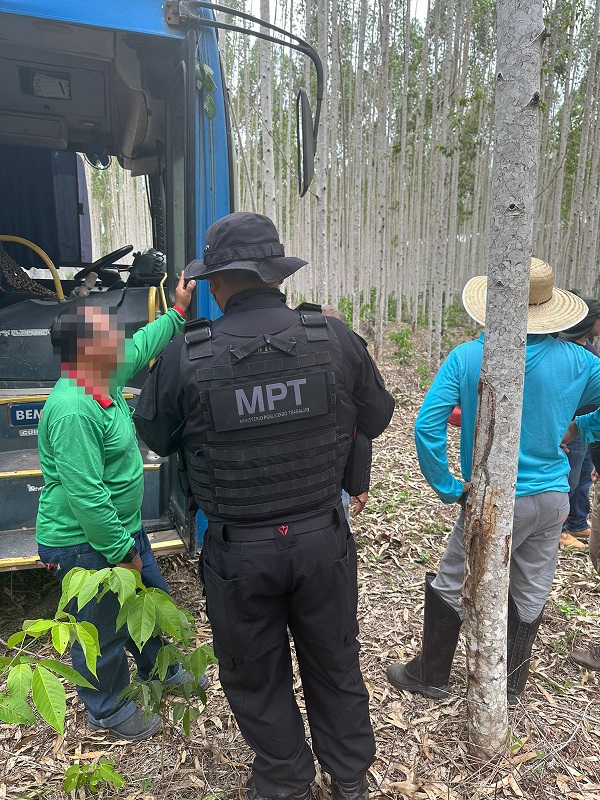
(152, 306)
(162, 293)
(4, 237)
(152, 303)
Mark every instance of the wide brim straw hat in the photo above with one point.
(550, 309)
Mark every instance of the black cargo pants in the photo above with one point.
(256, 591)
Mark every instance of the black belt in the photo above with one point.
(276, 530)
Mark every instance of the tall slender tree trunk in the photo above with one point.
(266, 102)
(357, 150)
(489, 513)
(381, 151)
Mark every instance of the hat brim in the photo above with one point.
(562, 311)
(269, 270)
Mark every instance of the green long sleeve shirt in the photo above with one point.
(91, 463)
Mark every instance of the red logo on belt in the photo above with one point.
(283, 529)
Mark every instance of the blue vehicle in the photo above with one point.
(101, 81)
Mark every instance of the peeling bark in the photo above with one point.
(489, 512)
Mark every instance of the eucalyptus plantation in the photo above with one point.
(398, 216)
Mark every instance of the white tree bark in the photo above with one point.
(488, 527)
(266, 103)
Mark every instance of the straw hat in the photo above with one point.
(550, 309)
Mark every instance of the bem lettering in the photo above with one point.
(251, 406)
(271, 389)
(19, 415)
(296, 385)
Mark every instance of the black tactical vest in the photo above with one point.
(272, 406)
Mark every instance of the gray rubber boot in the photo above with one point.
(520, 638)
(429, 672)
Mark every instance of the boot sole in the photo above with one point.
(407, 684)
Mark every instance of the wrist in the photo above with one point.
(129, 555)
(179, 310)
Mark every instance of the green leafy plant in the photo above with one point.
(205, 80)
(570, 609)
(346, 306)
(422, 557)
(148, 612)
(404, 348)
(33, 683)
(93, 776)
(564, 644)
(424, 376)
(392, 307)
(367, 310)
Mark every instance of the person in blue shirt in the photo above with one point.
(576, 526)
(560, 377)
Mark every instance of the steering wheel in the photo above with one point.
(104, 262)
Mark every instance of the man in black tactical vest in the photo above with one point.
(263, 403)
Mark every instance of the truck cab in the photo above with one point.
(85, 87)
(112, 86)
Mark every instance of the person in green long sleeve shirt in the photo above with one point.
(90, 507)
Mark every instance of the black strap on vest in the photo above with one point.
(265, 343)
(314, 308)
(316, 327)
(197, 336)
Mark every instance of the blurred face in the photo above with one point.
(105, 347)
(595, 330)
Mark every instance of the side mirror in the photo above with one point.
(99, 160)
(306, 142)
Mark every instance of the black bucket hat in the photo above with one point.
(244, 241)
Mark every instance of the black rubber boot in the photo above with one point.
(350, 790)
(429, 672)
(520, 638)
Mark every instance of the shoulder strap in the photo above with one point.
(315, 325)
(313, 307)
(197, 335)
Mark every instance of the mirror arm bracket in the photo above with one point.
(188, 13)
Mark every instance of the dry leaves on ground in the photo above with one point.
(422, 752)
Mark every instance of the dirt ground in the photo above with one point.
(554, 733)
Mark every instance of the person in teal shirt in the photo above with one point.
(90, 507)
(559, 378)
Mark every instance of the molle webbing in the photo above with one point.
(270, 450)
(272, 507)
(267, 404)
(250, 370)
(217, 455)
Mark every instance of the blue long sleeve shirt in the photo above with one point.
(560, 377)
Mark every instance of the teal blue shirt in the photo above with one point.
(560, 377)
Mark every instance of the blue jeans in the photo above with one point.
(579, 486)
(103, 704)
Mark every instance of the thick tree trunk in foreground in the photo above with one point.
(488, 527)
